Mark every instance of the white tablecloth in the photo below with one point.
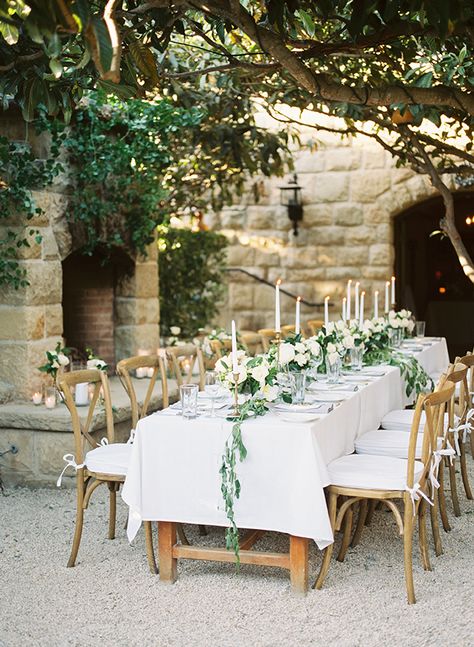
(174, 469)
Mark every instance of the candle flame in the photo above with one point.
(298, 299)
(278, 282)
(387, 283)
(344, 299)
(393, 278)
(377, 292)
(349, 281)
(358, 283)
(326, 298)
(363, 292)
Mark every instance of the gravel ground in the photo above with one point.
(111, 599)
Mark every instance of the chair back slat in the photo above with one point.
(124, 370)
(189, 353)
(252, 342)
(82, 435)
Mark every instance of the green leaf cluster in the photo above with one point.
(191, 270)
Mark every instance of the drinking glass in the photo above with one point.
(356, 358)
(333, 369)
(189, 398)
(315, 364)
(298, 387)
(420, 328)
(211, 387)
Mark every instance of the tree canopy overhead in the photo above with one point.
(390, 63)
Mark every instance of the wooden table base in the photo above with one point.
(296, 560)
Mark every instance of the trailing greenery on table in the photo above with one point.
(264, 379)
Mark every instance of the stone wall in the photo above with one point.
(351, 192)
(31, 318)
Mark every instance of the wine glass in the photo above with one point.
(211, 387)
(316, 361)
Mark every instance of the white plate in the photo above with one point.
(307, 407)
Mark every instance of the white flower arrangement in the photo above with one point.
(256, 375)
(401, 319)
(57, 358)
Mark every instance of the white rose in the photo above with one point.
(348, 341)
(55, 363)
(287, 353)
(63, 359)
(222, 365)
(340, 325)
(331, 348)
(405, 322)
(330, 327)
(301, 359)
(300, 347)
(411, 325)
(92, 363)
(259, 372)
(313, 347)
(270, 393)
(175, 330)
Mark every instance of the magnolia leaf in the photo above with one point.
(56, 68)
(145, 61)
(98, 39)
(9, 32)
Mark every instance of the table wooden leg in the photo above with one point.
(166, 541)
(299, 563)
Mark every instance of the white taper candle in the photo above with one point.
(361, 309)
(376, 304)
(297, 316)
(326, 311)
(344, 308)
(348, 304)
(387, 305)
(235, 366)
(393, 289)
(356, 301)
(277, 306)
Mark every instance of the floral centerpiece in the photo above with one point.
(57, 359)
(256, 375)
(95, 362)
(336, 338)
(401, 319)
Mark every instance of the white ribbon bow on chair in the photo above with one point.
(436, 460)
(103, 442)
(466, 429)
(70, 462)
(131, 437)
(415, 493)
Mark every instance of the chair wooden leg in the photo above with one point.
(113, 508)
(442, 499)
(328, 551)
(408, 551)
(346, 537)
(79, 524)
(360, 523)
(182, 535)
(370, 512)
(471, 438)
(464, 473)
(425, 556)
(434, 510)
(454, 489)
(150, 553)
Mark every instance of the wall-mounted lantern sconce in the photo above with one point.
(291, 198)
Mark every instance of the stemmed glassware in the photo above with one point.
(211, 388)
(316, 362)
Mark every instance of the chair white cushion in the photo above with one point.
(401, 419)
(109, 459)
(383, 442)
(371, 472)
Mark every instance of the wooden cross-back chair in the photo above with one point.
(287, 331)
(266, 336)
(314, 326)
(383, 478)
(458, 375)
(125, 370)
(468, 360)
(252, 342)
(189, 353)
(104, 463)
(220, 348)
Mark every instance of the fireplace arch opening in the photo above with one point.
(91, 285)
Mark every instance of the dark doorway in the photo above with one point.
(431, 281)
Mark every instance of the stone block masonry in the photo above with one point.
(351, 194)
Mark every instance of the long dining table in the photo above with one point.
(173, 476)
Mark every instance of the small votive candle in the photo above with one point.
(141, 372)
(37, 397)
(149, 371)
(50, 398)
